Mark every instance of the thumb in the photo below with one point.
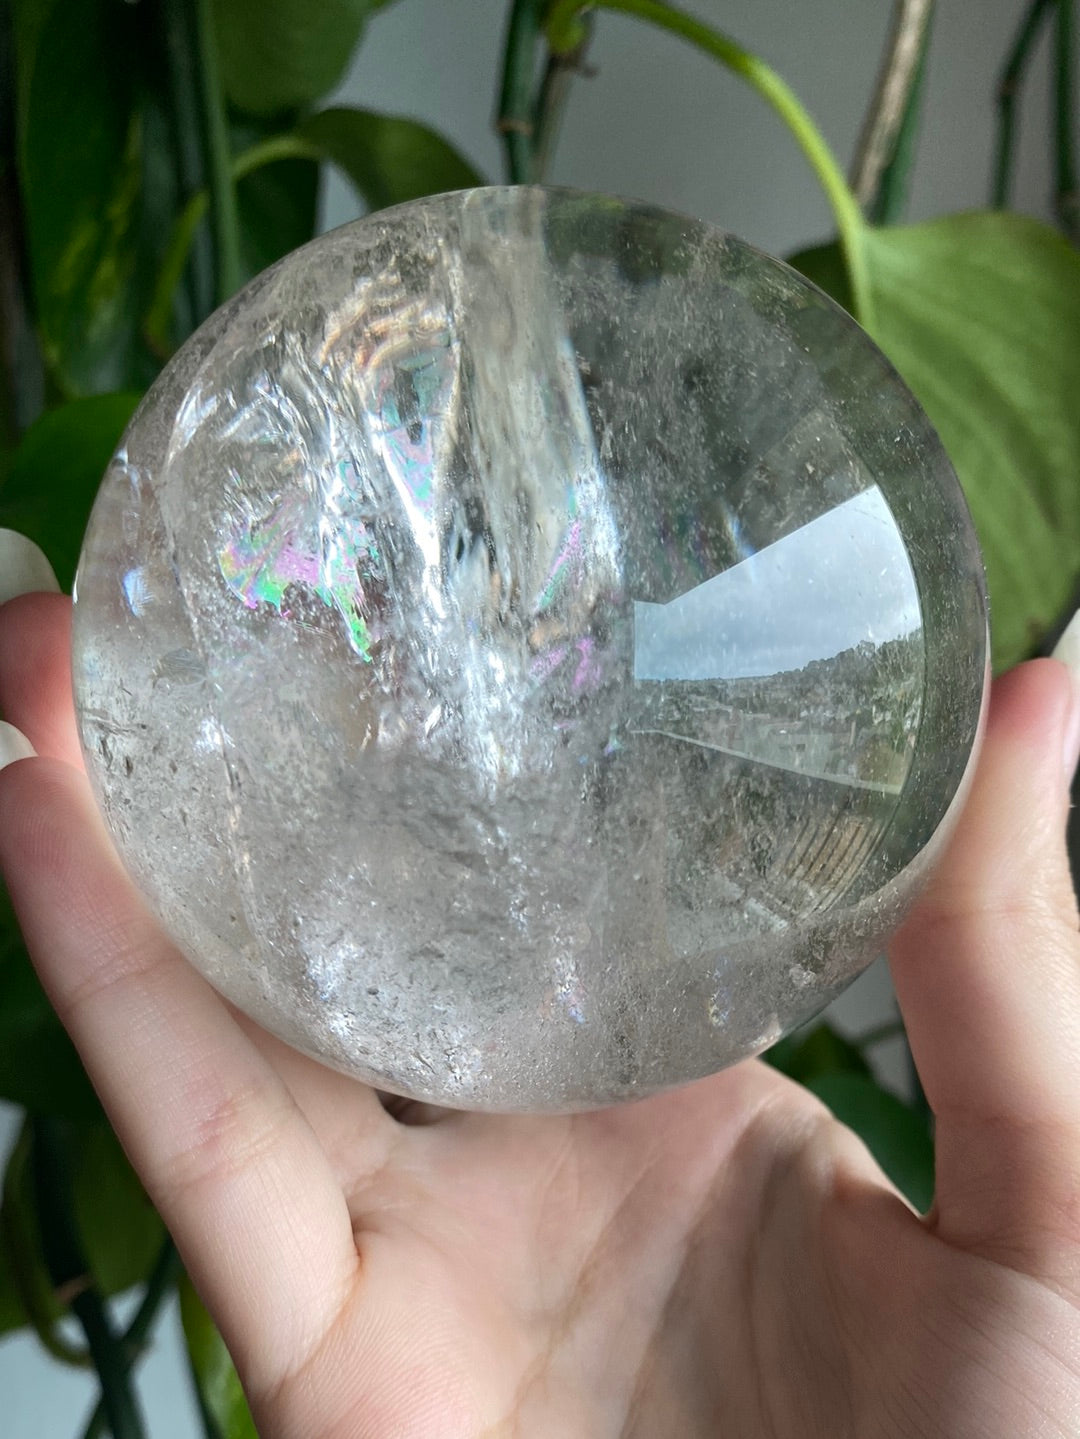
(987, 971)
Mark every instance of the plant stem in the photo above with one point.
(516, 120)
(553, 94)
(891, 201)
(1068, 193)
(892, 96)
(186, 226)
(69, 1270)
(185, 109)
(161, 1283)
(565, 31)
(20, 1244)
(223, 211)
(1008, 86)
(22, 383)
(11, 289)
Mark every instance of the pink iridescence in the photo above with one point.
(265, 561)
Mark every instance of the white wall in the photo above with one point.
(660, 123)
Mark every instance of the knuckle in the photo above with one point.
(229, 1135)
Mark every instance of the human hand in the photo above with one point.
(725, 1259)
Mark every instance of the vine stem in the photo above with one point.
(1008, 86)
(516, 122)
(266, 152)
(189, 153)
(22, 378)
(1068, 192)
(226, 221)
(565, 33)
(20, 1245)
(891, 199)
(161, 1283)
(554, 90)
(895, 82)
(70, 1272)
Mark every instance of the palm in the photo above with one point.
(537, 1275)
(724, 1260)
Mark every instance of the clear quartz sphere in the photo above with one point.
(529, 648)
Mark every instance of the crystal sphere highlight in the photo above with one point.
(528, 649)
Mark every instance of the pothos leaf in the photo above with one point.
(388, 158)
(277, 54)
(91, 245)
(980, 313)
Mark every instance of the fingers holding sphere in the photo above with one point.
(987, 971)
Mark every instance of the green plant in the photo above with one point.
(152, 157)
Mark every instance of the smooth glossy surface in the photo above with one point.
(527, 646)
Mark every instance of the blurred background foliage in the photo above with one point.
(154, 155)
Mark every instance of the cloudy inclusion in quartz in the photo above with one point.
(528, 647)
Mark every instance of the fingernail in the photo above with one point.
(23, 567)
(13, 745)
(1067, 650)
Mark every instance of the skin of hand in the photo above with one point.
(723, 1260)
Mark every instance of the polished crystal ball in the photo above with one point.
(529, 648)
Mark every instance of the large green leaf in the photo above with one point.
(897, 1137)
(980, 313)
(221, 1397)
(80, 70)
(388, 158)
(56, 471)
(277, 54)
